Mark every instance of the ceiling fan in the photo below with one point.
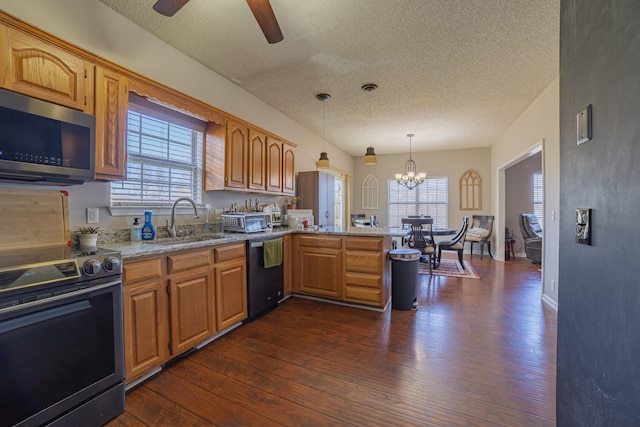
(261, 10)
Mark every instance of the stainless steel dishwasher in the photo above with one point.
(265, 286)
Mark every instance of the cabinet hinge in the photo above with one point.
(170, 347)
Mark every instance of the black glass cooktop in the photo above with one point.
(30, 267)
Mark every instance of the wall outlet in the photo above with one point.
(92, 216)
(553, 285)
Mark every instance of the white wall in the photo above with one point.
(449, 163)
(539, 122)
(94, 27)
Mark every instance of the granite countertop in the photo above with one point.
(164, 245)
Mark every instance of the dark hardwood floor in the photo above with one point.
(475, 353)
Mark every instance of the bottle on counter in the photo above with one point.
(136, 231)
(148, 230)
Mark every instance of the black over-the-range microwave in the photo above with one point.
(41, 142)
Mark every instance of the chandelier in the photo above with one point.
(410, 178)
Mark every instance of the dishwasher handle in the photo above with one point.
(257, 244)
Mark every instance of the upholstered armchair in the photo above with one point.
(480, 231)
(532, 235)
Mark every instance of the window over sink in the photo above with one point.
(164, 156)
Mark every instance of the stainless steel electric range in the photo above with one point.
(61, 336)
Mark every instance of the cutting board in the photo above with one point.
(33, 218)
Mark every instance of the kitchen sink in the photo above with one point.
(186, 239)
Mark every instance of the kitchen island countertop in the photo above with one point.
(164, 245)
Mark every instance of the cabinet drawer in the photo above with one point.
(136, 271)
(363, 262)
(363, 280)
(320, 241)
(362, 295)
(229, 252)
(187, 261)
(363, 244)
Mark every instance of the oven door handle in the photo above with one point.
(61, 296)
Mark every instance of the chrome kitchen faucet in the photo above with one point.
(172, 229)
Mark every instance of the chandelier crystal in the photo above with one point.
(410, 178)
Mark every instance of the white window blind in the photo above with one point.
(538, 197)
(164, 157)
(429, 198)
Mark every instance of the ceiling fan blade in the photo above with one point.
(266, 19)
(169, 7)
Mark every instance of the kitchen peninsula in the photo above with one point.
(189, 292)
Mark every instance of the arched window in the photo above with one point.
(370, 192)
(470, 191)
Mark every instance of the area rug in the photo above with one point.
(451, 268)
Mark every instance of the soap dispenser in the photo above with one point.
(148, 230)
(136, 231)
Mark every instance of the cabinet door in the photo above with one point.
(320, 272)
(112, 103)
(145, 328)
(192, 312)
(236, 152)
(274, 165)
(257, 159)
(33, 67)
(231, 292)
(288, 169)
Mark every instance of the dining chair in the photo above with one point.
(456, 243)
(480, 231)
(420, 236)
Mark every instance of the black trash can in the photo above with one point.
(404, 278)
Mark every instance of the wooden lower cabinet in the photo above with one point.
(318, 264)
(192, 310)
(350, 269)
(145, 327)
(174, 301)
(231, 287)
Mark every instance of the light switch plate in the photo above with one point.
(584, 127)
(583, 226)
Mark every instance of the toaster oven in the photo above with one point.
(246, 222)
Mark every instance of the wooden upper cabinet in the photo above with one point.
(257, 159)
(36, 68)
(111, 105)
(274, 165)
(236, 152)
(288, 168)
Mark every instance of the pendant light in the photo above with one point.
(410, 178)
(323, 161)
(370, 156)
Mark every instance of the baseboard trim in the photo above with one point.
(550, 302)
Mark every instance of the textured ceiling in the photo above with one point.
(456, 73)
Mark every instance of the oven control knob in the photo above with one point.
(91, 267)
(111, 264)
